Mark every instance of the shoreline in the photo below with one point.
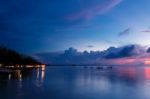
(12, 69)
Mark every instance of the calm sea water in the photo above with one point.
(77, 83)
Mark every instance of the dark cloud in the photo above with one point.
(146, 31)
(125, 32)
(148, 50)
(72, 56)
(126, 51)
(90, 46)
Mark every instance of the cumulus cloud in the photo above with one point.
(125, 55)
(125, 32)
(126, 51)
(148, 50)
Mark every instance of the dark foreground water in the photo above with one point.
(77, 83)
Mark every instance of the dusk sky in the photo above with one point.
(33, 26)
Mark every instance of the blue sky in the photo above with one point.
(32, 26)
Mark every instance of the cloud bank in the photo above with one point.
(125, 55)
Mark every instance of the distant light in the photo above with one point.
(9, 76)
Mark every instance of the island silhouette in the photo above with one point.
(12, 59)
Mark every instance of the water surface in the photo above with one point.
(77, 83)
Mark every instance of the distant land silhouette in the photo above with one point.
(9, 57)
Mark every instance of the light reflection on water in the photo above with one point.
(77, 82)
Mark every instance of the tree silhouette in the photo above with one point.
(9, 57)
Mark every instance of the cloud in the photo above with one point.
(146, 31)
(125, 32)
(94, 9)
(126, 51)
(90, 46)
(125, 55)
(148, 50)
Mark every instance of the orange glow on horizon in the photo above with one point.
(147, 73)
(132, 61)
(124, 61)
(147, 62)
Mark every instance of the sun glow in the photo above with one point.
(147, 72)
(147, 62)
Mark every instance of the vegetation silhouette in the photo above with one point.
(9, 57)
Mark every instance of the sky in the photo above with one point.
(33, 26)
